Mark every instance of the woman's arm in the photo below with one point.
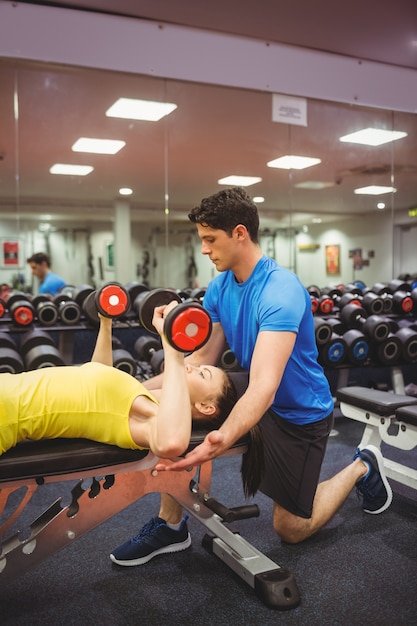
(272, 350)
(208, 354)
(103, 352)
(169, 432)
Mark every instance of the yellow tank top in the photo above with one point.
(90, 401)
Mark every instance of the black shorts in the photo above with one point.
(293, 459)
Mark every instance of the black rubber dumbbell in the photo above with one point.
(322, 330)
(68, 310)
(408, 338)
(373, 303)
(10, 360)
(149, 349)
(357, 346)
(122, 359)
(38, 350)
(112, 300)
(388, 351)
(375, 327)
(229, 362)
(333, 352)
(187, 327)
(45, 309)
(402, 302)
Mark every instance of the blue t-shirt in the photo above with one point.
(274, 299)
(52, 283)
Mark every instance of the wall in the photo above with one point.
(79, 254)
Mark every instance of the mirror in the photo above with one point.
(171, 164)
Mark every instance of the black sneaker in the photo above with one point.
(153, 539)
(374, 488)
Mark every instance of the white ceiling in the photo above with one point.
(215, 130)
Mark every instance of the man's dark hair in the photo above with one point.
(38, 258)
(225, 210)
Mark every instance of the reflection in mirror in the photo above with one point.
(214, 132)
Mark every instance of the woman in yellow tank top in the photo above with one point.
(99, 402)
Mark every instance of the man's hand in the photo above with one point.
(206, 451)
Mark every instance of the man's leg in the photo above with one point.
(366, 473)
(161, 535)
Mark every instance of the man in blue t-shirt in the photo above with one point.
(264, 314)
(50, 283)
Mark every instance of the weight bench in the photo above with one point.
(388, 417)
(117, 478)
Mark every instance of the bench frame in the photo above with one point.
(110, 489)
(388, 417)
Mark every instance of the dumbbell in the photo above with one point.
(10, 360)
(357, 346)
(332, 291)
(20, 308)
(149, 349)
(229, 362)
(399, 285)
(374, 326)
(38, 350)
(322, 331)
(2, 307)
(347, 298)
(352, 288)
(186, 328)
(198, 294)
(122, 359)
(134, 289)
(373, 303)
(333, 352)
(46, 310)
(388, 351)
(402, 302)
(112, 300)
(323, 304)
(68, 310)
(408, 338)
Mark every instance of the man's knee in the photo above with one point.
(291, 528)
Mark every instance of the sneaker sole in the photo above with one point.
(381, 469)
(175, 547)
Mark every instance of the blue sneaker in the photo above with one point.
(373, 487)
(153, 539)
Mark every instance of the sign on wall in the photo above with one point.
(10, 255)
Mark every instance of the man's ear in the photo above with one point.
(205, 408)
(241, 231)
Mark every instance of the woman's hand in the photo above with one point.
(159, 315)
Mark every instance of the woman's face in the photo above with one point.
(204, 382)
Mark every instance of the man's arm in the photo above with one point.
(270, 357)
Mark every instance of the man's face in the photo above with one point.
(38, 270)
(218, 246)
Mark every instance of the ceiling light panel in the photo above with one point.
(68, 169)
(98, 146)
(293, 162)
(314, 185)
(147, 110)
(374, 190)
(240, 181)
(373, 136)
